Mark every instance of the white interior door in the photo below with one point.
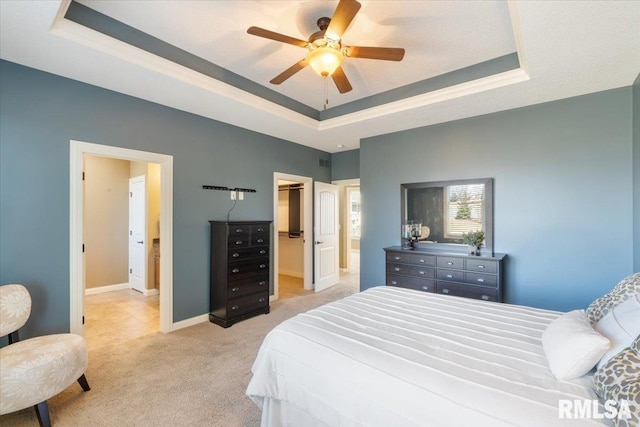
(137, 233)
(326, 229)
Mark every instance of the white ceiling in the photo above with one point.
(566, 48)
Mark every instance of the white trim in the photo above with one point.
(292, 273)
(190, 322)
(106, 288)
(307, 227)
(77, 150)
(151, 292)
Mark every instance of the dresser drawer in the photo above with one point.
(468, 291)
(238, 229)
(411, 258)
(411, 270)
(240, 306)
(481, 279)
(426, 285)
(482, 266)
(238, 254)
(238, 241)
(450, 262)
(260, 229)
(453, 275)
(245, 269)
(240, 288)
(261, 239)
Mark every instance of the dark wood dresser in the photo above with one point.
(457, 274)
(240, 259)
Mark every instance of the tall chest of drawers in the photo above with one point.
(240, 270)
(456, 274)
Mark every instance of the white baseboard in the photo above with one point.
(108, 288)
(292, 273)
(151, 292)
(190, 322)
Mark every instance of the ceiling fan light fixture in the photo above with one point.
(325, 60)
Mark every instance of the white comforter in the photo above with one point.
(397, 357)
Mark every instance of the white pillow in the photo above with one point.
(621, 326)
(572, 346)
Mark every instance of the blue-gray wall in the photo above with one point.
(636, 174)
(345, 165)
(563, 195)
(40, 113)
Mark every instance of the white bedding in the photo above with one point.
(397, 357)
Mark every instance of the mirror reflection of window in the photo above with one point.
(354, 202)
(464, 205)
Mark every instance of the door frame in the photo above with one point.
(76, 227)
(307, 227)
(346, 185)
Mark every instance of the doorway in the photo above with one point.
(351, 216)
(293, 228)
(77, 227)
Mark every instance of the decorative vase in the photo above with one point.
(474, 249)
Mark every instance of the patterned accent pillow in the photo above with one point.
(619, 379)
(620, 293)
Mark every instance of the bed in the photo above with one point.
(397, 357)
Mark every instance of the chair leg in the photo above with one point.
(83, 383)
(14, 337)
(42, 411)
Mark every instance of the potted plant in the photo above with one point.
(474, 239)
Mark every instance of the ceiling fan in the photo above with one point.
(326, 51)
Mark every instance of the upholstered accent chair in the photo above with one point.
(35, 369)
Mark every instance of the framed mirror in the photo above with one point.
(445, 210)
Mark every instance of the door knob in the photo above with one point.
(140, 241)
(317, 242)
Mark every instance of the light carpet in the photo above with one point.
(195, 376)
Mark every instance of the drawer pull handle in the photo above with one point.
(481, 280)
(449, 263)
(238, 230)
(238, 242)
(235, 255)
(263, 265)
(397, 269)
(426, 288)
(235, 270)
(235, 307)
(421, 272)
(449, 276)
(445, 291)
(262, 252)
(422, 260)
(481, 266)
(393, 282)
(236, 289)
(262, 300)
(260, 230)
(485, 297)
(260, 240)
(397, 258)
(262, 283)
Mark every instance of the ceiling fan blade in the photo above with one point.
(289, 72)
(384, 53)
(341, 81)
(342, 17)
(261, 32)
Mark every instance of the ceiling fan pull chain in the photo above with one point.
(326, 92)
